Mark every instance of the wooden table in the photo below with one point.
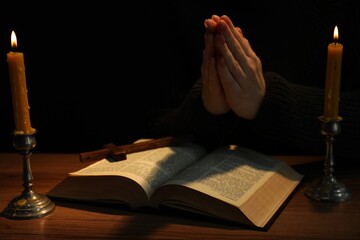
(301, 218)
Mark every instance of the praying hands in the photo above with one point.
(231, 71)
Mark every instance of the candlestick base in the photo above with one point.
(328, 188)
(28, 204)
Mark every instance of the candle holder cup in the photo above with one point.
(28, 204)
(327, 188)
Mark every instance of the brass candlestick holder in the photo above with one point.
(29, 204)
(328, 188)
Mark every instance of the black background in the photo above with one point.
(98, 71)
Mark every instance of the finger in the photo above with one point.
(209, 74)
(233, 63)
(212, 93)
(215, 18)
(231, 86)
(237, 32)
(246, 62)
(210, 25)
(243, 101)
(232, 43)
(209, 50)
(230, 24)
(208, 55)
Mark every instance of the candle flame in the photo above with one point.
(336, 34)
(13, 40)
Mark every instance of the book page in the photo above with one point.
(230, 174)
(150, 168)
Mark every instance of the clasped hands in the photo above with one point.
(232, 75)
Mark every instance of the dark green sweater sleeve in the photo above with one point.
(289, 117)
(286, 123)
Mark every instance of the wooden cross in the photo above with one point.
(118, 153)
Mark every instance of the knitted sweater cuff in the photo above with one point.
(286, 116)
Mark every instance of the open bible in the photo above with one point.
(231, 183)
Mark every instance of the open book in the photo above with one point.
(232, 183)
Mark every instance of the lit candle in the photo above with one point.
(333, 76)
(18, 89)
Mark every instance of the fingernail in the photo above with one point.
(215, 18)
(221, 25)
